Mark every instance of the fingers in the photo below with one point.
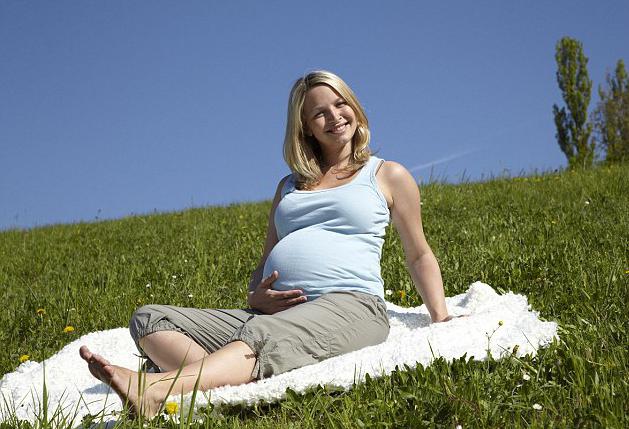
(288, 298)
(294, 301)
(284, 300)
(291, 298)
(268, 281)
(286, 294)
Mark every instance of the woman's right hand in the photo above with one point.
(263, 298)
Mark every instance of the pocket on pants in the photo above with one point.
(360, 334)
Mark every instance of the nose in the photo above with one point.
(333, 114)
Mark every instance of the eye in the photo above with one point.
(341, 103)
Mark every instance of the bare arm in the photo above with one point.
(406, 215)
(260, 295)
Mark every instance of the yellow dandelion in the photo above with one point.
(68, 329)
(626, 271)
(24, 358)
(402, 294)
(171, 408)
(41, 311)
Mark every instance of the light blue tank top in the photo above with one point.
(331, 239)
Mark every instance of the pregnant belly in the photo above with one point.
(312, 260)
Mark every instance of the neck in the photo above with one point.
(337, 160)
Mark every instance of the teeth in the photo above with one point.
(339, 128)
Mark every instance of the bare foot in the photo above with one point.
(124, 382)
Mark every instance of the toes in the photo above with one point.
(109, 371)
(100, 360)
(85, 353)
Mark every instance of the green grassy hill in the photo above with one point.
(561, 239)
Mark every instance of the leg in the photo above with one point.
(174, 336)
(331, 325)
(232, 364)
(171, 349)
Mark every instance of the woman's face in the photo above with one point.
(328, 117)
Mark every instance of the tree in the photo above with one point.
(573, 128)
(611, 117)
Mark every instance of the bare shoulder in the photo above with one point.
(393, 177)
(394, 171)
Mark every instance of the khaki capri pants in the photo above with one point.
(331, 325)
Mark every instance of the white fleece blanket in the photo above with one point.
(494, 322)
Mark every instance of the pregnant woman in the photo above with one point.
(317, 291)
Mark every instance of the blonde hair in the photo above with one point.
(302, 153)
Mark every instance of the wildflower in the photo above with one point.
(458, 427)
(148, 285)
(171, 408)
(41, 311)
(526, 377)
(190, 296)
(626, 271)
(501, 322)
(402, 294)
(587, 202)
(388, 292)
(174, 276)
(24, 358)
(68, 329)
(537, 407)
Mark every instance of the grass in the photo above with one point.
(562, 239)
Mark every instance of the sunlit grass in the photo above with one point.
(562, 239)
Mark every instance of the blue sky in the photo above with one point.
(112, 108)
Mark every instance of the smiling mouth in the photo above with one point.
(338, 129)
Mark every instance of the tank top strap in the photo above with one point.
(368, 176)
(372, 167)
